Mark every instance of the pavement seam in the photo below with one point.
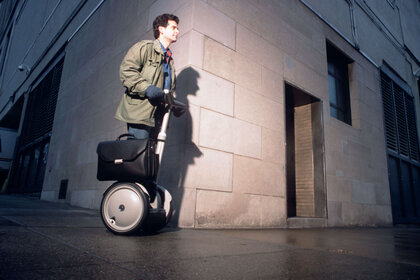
(70, 245)
(338, 251)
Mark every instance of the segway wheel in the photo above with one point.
(124, 208)
(156, 219)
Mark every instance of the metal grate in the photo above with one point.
(40, 112)
(403, 143)
(389, 113)
(412, 128)
(399, 119)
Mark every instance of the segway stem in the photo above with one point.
(170, 102)
(162, 133)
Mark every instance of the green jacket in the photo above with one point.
(141, 67)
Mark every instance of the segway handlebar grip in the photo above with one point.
(172, 102)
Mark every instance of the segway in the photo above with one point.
(130, 206)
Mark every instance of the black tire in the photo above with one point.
(171, 212)
(124, 208)
(156, 219)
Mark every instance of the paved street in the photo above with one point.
(43, 240)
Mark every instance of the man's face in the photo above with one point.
(170, 32)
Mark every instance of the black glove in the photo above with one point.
(154, 94)
(178, 112)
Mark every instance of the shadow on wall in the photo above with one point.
(180, 151)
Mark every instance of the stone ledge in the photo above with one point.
(306, 223)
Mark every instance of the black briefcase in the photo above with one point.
(126, 160)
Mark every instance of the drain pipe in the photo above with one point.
(353, 44)
(86, 19)
(353, 24)
(326, 21)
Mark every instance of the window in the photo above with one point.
(399, 119)
(338, 84)
(402, 147)
(40, 110)
(29, 168)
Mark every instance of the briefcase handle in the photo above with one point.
(128, 135)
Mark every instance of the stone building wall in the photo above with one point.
(225, 160)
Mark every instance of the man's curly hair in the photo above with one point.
(162, 20)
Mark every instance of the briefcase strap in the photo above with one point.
(128, 135)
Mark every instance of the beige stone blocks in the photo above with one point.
(280, 33)
(220, 210)
(213, 93)
(175, 163)
(219, 59)
(184, 12)
(228, 134)
(357, 187)
(335, 214)
(339, 189)
(216, 131)
(362, 192)
(188, 50)
(225, 160)
(256, 49)
(368, 75)
(257, 109)
(246, 139)
(273, 146)
(183, 201)
(382, 194)
(247, 73)
(335, 12)
(232, 65)
(272, 85)
(366, 214)
(243, 12)
(309, 80)
(356, 149)
(193, 118)
(169, 6)
(252, 176)
(190, 166)
(211, 170)
(356, 203)
(214, 24)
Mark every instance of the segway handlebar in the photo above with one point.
(172, 102)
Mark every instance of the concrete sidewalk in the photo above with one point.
(43, 240)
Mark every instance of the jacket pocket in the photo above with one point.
(134, 101)
(149, 70)
(152, 63)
